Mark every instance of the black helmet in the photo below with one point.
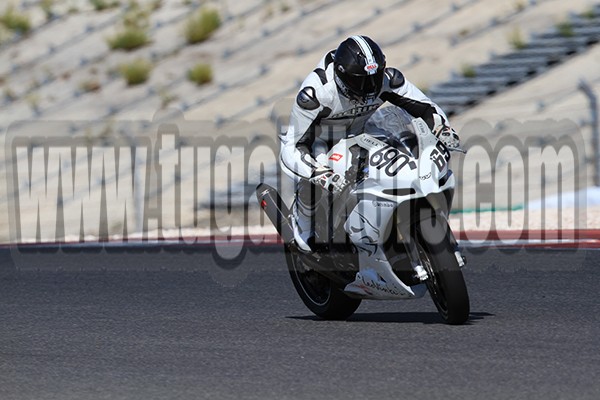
(359, 64)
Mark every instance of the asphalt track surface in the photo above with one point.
(179, 325)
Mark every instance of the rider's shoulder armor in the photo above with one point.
(317, 89)
(395, 77)
(307, 98)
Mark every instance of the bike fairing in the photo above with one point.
(366, 223)
(427, 245)
(376, 278)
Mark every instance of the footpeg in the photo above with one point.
(421, 273)
(462, 261)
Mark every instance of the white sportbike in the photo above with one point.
(386, 235)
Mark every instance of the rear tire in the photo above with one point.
(446, 283)
(323, 297)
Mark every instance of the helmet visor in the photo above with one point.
(364, 85)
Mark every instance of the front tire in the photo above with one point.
(323, 297)
(446, 283)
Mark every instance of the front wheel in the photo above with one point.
(446, 283)
(323, 297)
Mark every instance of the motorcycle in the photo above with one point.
(386, 235)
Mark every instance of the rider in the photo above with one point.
(335, 101)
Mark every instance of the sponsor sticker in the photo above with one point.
(336, 157)
(371, 68)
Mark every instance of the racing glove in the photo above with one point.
(448, 136)
(328, 180)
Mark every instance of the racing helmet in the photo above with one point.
(359, 65)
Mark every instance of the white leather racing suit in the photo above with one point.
(322, 112)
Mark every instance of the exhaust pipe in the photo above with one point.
(277, 211)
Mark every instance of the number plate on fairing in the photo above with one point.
(392, 160)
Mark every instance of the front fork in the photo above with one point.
(460, 259)
(410, 243)
(406, 235)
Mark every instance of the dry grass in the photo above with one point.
(516, 39)
(15, 21)
(202, 25)
(136, 72)
(134, 33)
(200, 74)
(129, 39)
(101, 5)
(565, 29)
(468, 71)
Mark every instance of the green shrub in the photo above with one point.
(589, 14)
(520, 6)
(34, 101)
(516, 40)
(136, 72)
(165, 97)
(468, 71)
(134, 32)
(101, 5)
(10, 94)
(200, 74)
(156, 5)
(202, 25)
(137, 16)
(565, 29)
(285, 7)
(269, 13)
(47, 8)
(15, 21)
(128, 39)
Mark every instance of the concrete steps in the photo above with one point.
(544, 51)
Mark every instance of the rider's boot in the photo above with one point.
(302, 222)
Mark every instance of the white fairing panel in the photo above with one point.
(366, 227)
(391, 168)
(395, 175)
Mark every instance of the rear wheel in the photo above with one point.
(446, 283)
(323, 297)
